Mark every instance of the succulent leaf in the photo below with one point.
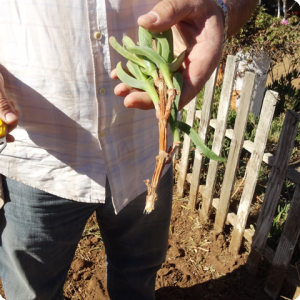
(145, 37)
(178, 82)
(157, 59)
(135, 70)
(113, 42)
(158, 47)
(194, 136)
(168, 34)
(143, 84)
(175, 65)
(149, 53)
(164, 44)
(128, 42)
(150, 89)
(129, 80)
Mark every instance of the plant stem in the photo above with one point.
(166, 98)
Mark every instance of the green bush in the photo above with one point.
(265, 32)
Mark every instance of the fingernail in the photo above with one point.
(152, 17)
(10, 117)
(134, 105)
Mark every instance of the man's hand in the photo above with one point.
(198, 25)
(8, 111)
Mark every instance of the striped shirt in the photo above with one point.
(73, 131)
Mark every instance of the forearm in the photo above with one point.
(239, 12)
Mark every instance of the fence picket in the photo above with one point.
(235, 150)
(285, 249)
(203, 128)
(277, 176)
(220, 128)
(280, 170)
(190, 118)
(253, 169)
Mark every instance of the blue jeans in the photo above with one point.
(40, 232)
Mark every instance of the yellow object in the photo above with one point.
(3, 129)
(97, 35)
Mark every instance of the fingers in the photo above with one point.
(140, 100)
(198, 70)
(8, 112)
(133, 98)
(166, 14)
(191, 17)
(123, 90)
(13, 126)
(113, 74)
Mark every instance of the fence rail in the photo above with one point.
(280, 169)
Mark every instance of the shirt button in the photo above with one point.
(102, 134)
(102, 91)
(98, 35)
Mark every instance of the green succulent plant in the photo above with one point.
(153, 69)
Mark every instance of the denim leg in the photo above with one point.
(39, 235)
(136, 243)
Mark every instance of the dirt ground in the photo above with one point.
(198, 264)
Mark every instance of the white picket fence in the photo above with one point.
(280, 169)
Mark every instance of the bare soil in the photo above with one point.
(198, 264)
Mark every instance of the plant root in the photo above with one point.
(161, 160)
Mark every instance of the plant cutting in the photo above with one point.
(152, 68)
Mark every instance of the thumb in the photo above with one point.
(165, 14)
(7, 112)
